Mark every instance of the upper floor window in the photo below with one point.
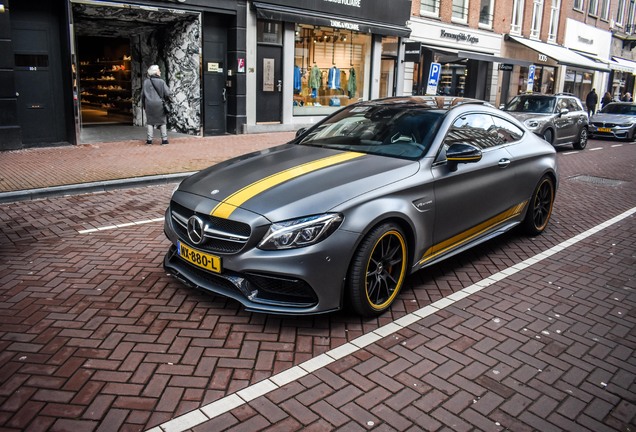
(620, 12)
(593, 7)
(537, 17)
(554, 20)
(605, 9)
(517, 17)
(429, 7)
(629, 28)
(486, 13)
(460, 11)
(578, 5)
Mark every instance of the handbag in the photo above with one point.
(166, 107)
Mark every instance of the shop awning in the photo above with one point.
(303, 16)
(561, 55)
(492, 58)
(623, 65)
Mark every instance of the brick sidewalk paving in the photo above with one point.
(55, 166)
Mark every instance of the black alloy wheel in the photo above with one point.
(540, 207)
(378, 270)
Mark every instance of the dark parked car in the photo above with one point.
(615, 120)
(559, 119)
(344, 212)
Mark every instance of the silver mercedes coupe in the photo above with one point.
(342, 214)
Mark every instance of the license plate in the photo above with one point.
(604, 129)
(198, 258)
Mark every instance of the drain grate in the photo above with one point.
(598, 180)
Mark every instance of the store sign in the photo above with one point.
(543, 58)
(345, 25)
(213, 67)
(459, 37)
(433, 78)
(240, 65)
(412, 52)
(268, 74)
(506, 67)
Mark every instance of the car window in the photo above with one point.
(621, 109)
(394, 131)
(533, 104)
(562, 104)
(573, 105)
(506, 131)
(476, 129)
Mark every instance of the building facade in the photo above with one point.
(233, 66)
(495, 49)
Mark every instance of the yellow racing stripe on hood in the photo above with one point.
(225, 208)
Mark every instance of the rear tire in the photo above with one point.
(581, 143)
(378, 270)
(540, 207)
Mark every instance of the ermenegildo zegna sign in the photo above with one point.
(395, 12)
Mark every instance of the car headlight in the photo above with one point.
(533, 124)
(626, 125)
(301, 232)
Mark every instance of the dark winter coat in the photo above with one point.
(591, 100)
(151, 100)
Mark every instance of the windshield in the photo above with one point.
(623, 109)
(532, 104)
(394, 131)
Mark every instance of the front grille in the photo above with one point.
(221, 235)
(601, 124)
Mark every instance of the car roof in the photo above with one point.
(427, 102)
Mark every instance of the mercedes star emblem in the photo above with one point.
(195, 229)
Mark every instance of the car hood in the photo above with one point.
(613, 118)
(291, 180)
(523, 116)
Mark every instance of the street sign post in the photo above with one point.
(433, 78)
(530, 86)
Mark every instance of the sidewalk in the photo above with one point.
(37, 172)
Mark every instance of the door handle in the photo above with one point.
(224, 95)
(503, 163)
(280, 85)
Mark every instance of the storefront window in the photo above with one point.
(387, 72)
(543, 80)
(269, 32)
(330, 66)
(578, 82)
(452, 80)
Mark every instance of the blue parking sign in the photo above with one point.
(530, 85)
(433, 78)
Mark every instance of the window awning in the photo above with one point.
(561, 55)
(623, 65)
(492, 58)
(303, 16)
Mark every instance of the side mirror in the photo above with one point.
(300, 131)
(564, 111)
(502, 106)
(462, 153)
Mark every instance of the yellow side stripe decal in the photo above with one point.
(453, 242)
(225, 208)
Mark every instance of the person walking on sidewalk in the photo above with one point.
(154, 97)
(591, 101)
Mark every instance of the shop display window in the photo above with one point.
(543, 80)
(577, 82)
(330, 69)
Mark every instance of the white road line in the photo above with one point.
(596, 148)
(570, 152)
(124, 225)
(617, 145)
(261, 388)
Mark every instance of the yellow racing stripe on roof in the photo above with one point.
(225, 208)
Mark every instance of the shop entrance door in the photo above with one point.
(39, 100)
(387, 77)
(269, 84)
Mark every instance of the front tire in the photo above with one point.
(540, 207)
(581, 143)
(378, 270)
(548, 135)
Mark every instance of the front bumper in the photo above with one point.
(300, 281)
(618, 132)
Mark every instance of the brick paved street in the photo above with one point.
(94, 335)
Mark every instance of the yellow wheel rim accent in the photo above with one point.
(385, 270)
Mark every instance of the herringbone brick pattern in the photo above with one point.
(94, 336)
